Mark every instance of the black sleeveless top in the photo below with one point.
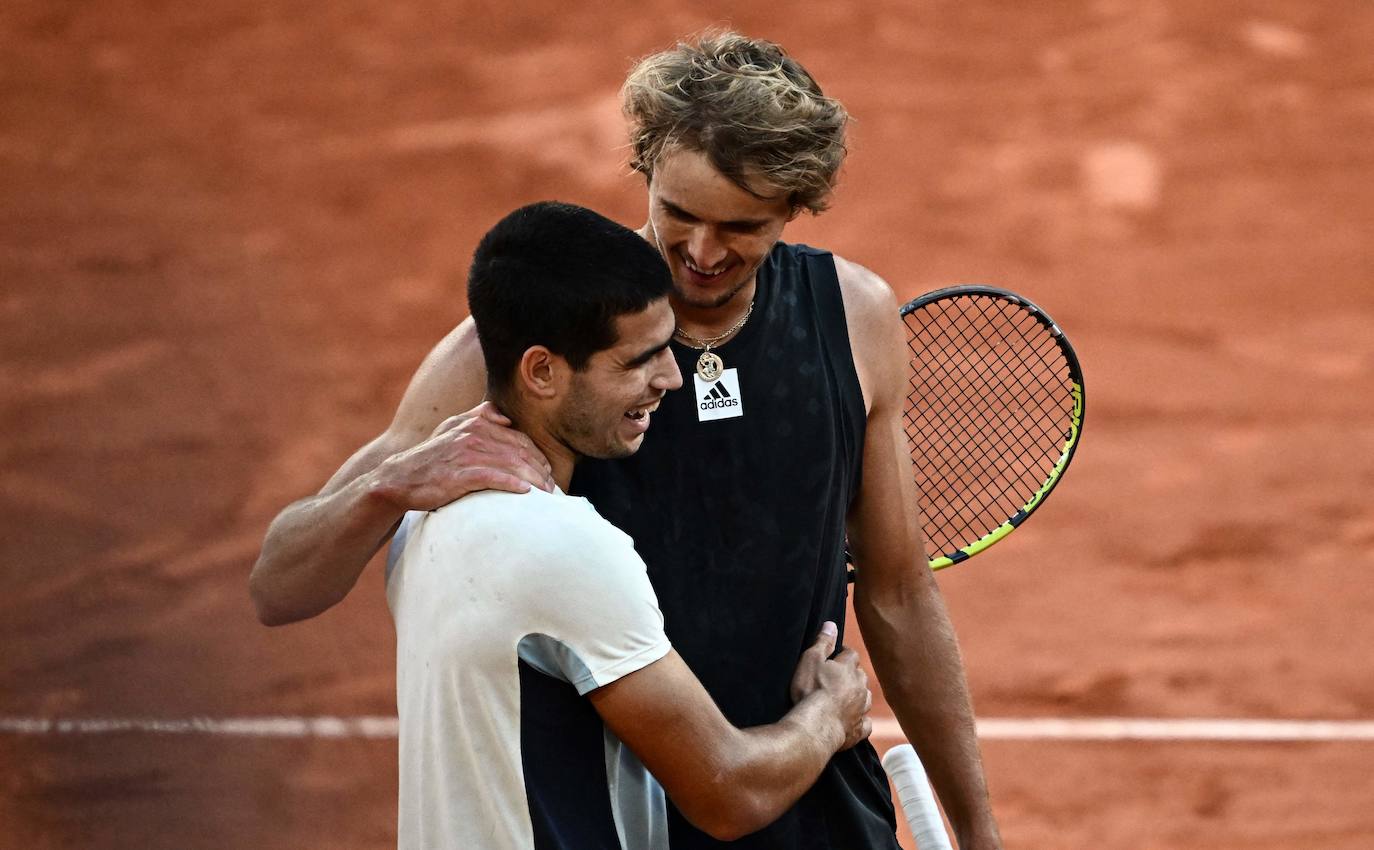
(741, 521)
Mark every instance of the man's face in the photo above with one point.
(713, 234)
(607, 407)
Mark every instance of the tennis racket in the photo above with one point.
(918, 801)
(993, 417)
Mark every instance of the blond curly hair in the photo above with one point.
(755, 113)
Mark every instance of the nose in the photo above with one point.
(705, 249)
(669, 377)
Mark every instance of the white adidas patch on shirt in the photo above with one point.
(719, 399)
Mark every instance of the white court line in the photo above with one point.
(884, 728)
(248, 727)
(1155, 729)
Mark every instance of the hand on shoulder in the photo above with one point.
(476, 450)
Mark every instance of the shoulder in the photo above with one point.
(452, 378)
(456, 358)
(535, 515)
(527, 543)
(867, 297)
(562, 534)
(876, 337)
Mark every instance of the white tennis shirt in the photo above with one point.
(509, 608)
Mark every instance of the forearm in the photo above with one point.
(727, 781)
(913, 649)
(772, 766)
(316, 548)
(784, 759)
(896, 601)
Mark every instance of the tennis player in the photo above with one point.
(787, 439)
(511, 608)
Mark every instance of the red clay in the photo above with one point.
(229, 233)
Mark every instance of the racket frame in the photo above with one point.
(1076, 417)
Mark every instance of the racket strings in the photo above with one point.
(982, 459)
(986, 453)
(989, 410)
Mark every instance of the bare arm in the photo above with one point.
(898, 606)
(730, 782)
(316, 548)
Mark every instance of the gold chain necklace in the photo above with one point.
(709, 364)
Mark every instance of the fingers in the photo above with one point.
(864, 727)
(457, 421)
(480, 419)
(861, 726)
(482, 437)
(860, 676)
(496, 437)
(475, 478)
(805, 677)
(825, 641)
(488, 410)
(483, 478)
(525, 468)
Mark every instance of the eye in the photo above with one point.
(679, 214)
(746, 228)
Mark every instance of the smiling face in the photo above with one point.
(713, 234)
(606, 406)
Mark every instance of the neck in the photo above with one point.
(706, 322)
(562, 459)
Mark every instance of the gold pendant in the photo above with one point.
(709, 366)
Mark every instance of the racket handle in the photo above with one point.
(904, 768)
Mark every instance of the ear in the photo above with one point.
(541, 372)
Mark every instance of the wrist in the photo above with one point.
(982, 834)
(379, 492)
(819, 716)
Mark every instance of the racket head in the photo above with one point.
(993, 415)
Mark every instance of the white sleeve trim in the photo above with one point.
(622, 667)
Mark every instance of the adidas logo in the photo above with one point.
(719, 399)
(718, 396)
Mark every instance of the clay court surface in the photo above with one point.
(229, 232)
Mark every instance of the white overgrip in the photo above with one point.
(904, 768)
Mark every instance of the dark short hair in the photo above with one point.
(557, 275)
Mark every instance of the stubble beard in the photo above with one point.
(680, 294)
(717, 301)
(583, 427)
(707, 303)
